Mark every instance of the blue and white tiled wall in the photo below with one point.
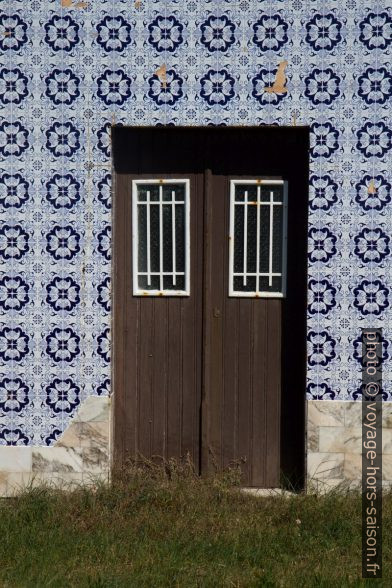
(69, 69)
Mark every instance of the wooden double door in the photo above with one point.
(200, 286)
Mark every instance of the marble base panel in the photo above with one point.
(334, 450)
(80, 456)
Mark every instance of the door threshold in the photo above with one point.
(267, 492)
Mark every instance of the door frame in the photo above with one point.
(283, 152)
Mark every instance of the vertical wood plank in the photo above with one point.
(145, 376)
(159, 368)
(174, 398)
(245, 421)
(206, 409)
(273, 391)
(260, 401)
(214, 293)
(192, 346)
(230, 322)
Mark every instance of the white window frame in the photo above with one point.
(135, 238)
(270, 274)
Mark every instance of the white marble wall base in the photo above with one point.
(80, 456)
(334, 450)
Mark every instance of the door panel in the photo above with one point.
(243, 369)
(162, 350)
(241, 360)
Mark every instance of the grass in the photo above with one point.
(164, 526)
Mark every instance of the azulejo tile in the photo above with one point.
(71, 73)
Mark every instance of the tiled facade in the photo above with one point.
(69, 69)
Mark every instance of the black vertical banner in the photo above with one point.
(372, 453)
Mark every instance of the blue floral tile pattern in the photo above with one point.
(375, 86)
(14, 139)
(371, 297)
(170, 92)
(62, 139)
(322, 86)
(14, 293)
(14, 395)
(61, 33)
(218, 33)
(217, 87)
(13, 86)
(113, 33)
(14, 344)
(68, 74)
(62, 191)
(376, 30)
(323, 31)
(263, 87)
(14, 242)
(114, 87)
(63, 294)
(165, 33)
(62, 345)
(14, 190)
(270, 32)
(378, 198)
(62, 86)
(13, 32)
(62, 396)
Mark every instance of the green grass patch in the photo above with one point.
(164, 526)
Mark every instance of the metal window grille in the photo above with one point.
(161, 239)
(258, 238)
